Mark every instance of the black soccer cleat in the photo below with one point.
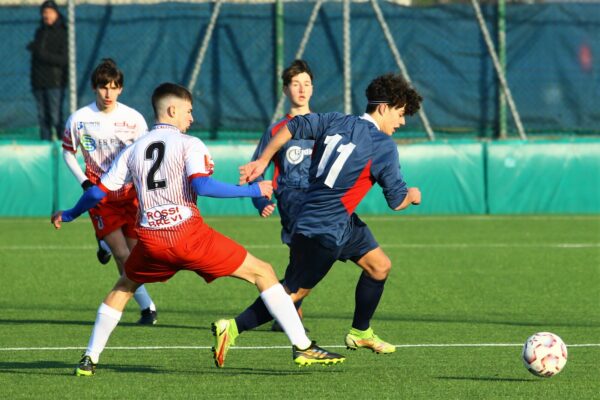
(86, 367)
(315, 355)
(148, 317)
(103, 255)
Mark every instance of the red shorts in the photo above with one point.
(205, 251)
(109, 216)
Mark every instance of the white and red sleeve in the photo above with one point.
(118, 174)
(69, 137)
(198, 161)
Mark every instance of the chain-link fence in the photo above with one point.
(230, 54)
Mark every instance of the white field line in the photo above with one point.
(384, 245)
(422, 345)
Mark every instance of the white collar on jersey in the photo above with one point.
(162, 125)
(368, 117)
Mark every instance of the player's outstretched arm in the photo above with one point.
(254, 169)
(251, 171)
(412, 197)
(209, 187)
(88, 200)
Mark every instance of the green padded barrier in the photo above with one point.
(449, 175)
(455, 178)
(544, 176)
(27, 171)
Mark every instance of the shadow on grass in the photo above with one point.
(458, 319)
(91, 323)
(62, 368)
(232, 372)
(14, 367)
(485, 378)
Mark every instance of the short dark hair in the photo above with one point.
(295, 68)
(107, 72)
(167, 89)
(49, 4)
(394, 90)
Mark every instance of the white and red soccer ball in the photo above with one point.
(544, 354)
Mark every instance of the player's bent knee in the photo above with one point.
(254, 270)
(385, 267)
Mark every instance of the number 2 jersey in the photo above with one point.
(161, 165)
(351, 154)
(101, 137)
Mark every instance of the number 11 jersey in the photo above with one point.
(350, 155)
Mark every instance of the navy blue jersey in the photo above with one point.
(290, 176)
(350, 155)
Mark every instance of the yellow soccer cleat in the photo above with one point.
(225, 331)
(368, 340)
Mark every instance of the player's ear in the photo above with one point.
(382, 108)
(171, 111)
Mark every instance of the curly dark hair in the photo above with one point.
(107, 72)
(295, 68)
(394, 90)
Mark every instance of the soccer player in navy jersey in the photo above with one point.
(169, 169)
(351, 154)
(292, 161)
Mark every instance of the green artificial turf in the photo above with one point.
(463, 295)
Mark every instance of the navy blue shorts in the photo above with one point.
(310, 261)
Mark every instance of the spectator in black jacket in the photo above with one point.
(49, 62)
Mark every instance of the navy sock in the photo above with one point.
(253, 316)
(367, 296)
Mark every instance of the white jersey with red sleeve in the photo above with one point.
(101, 137)
(161, 165)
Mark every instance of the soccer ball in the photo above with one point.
(544, 354)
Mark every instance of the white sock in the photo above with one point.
(142, 297)
(281, 307)
(106, 321)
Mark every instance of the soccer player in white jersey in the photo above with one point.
(101, 130)
(169, 169)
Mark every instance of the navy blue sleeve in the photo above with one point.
(260, 147)
(311, 126)
(260, 203)
(88, 200)
(209, 187)
(386, 171)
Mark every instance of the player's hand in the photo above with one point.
(415, 195)
(56, 219)
(268, 210)
(251, 171)
(266, 188)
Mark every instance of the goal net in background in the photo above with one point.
(230, 54)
